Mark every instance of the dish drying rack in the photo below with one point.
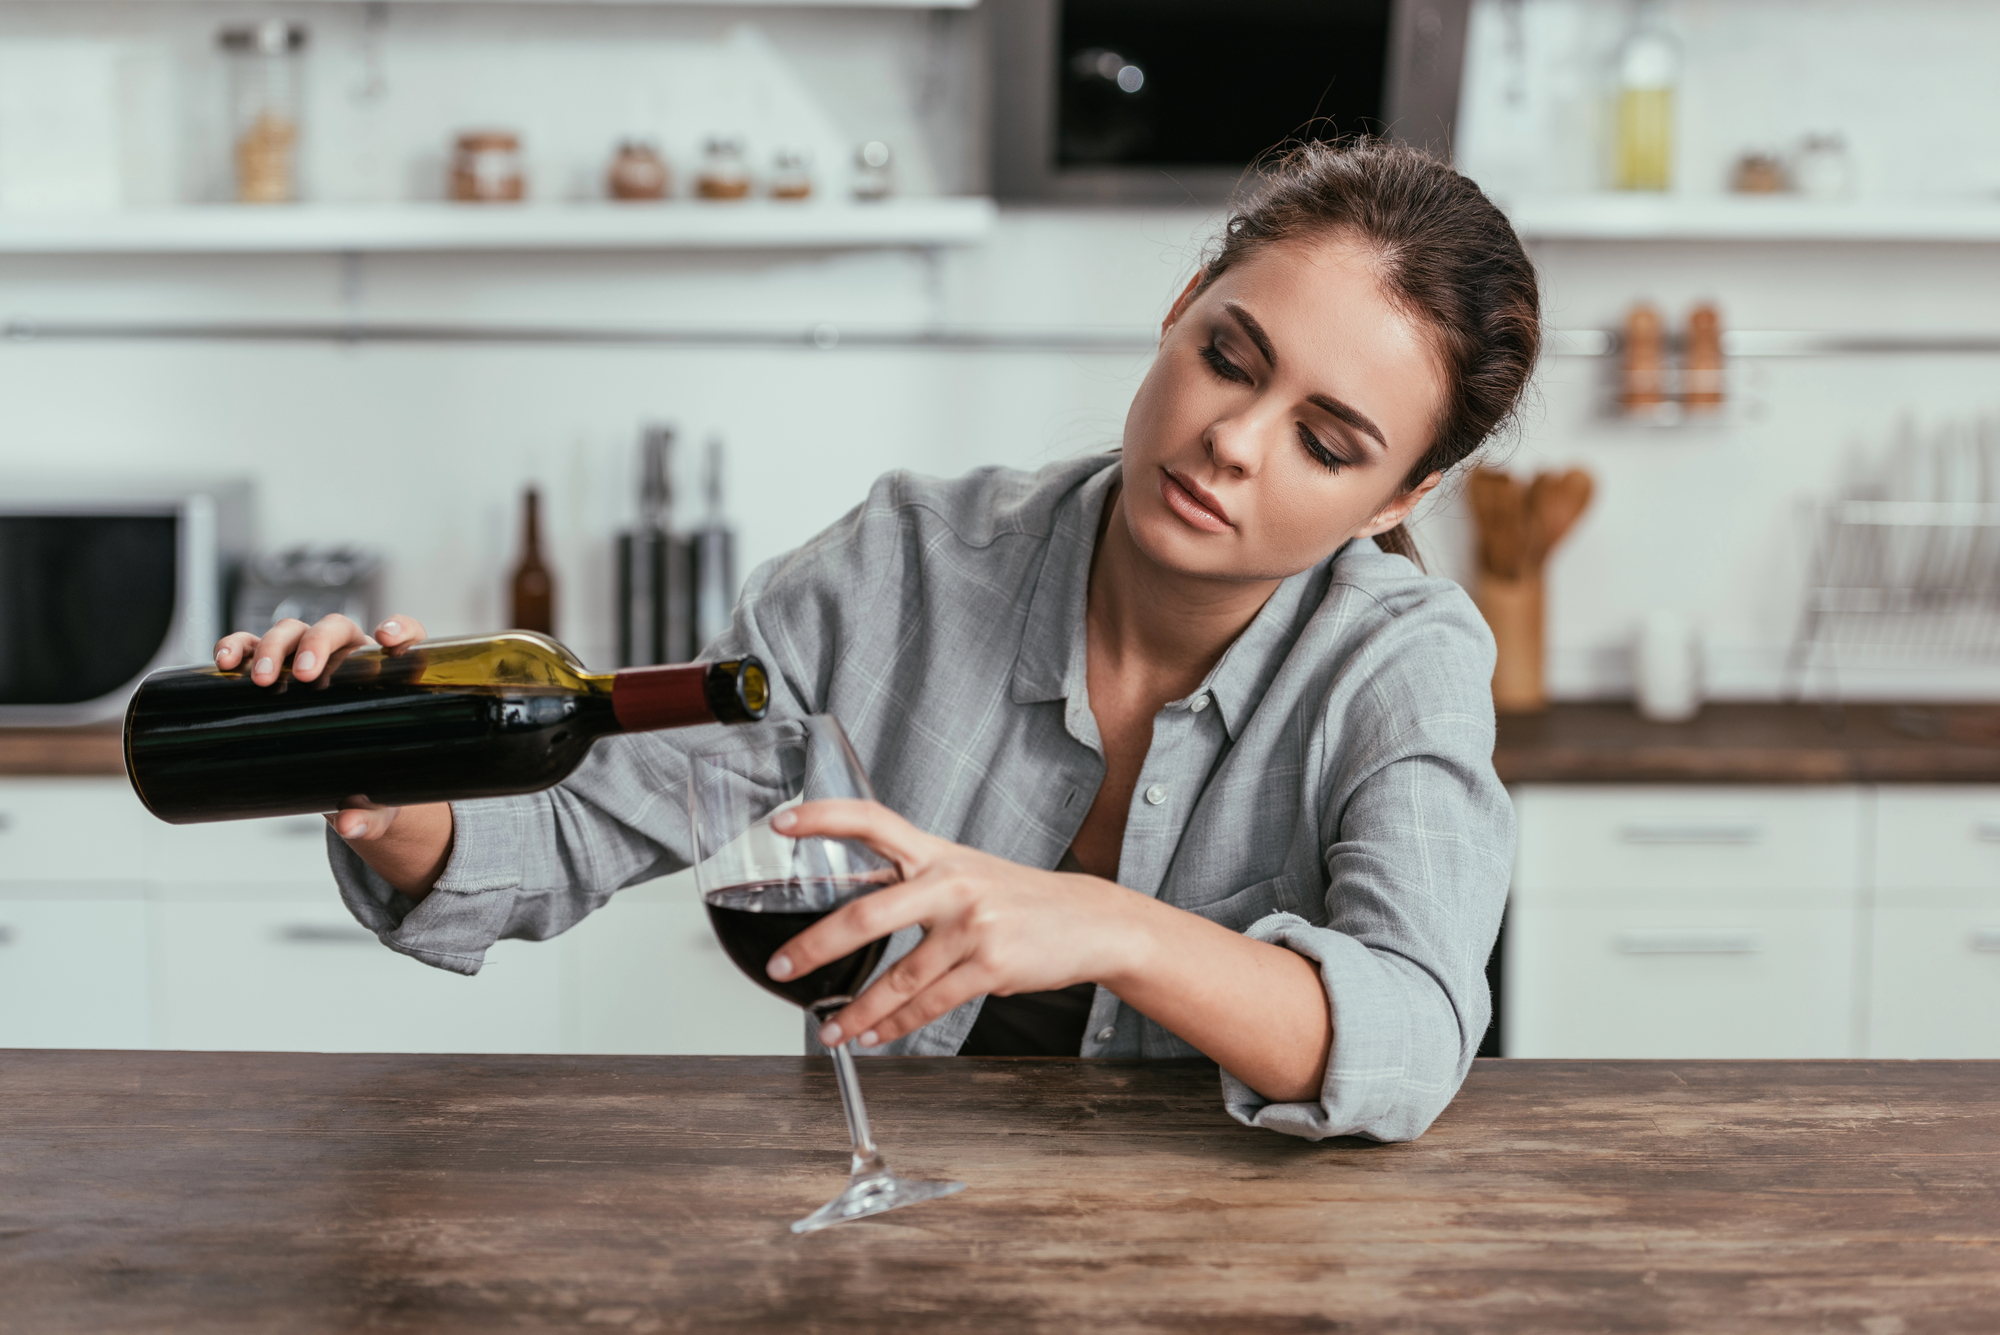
(1907, 571)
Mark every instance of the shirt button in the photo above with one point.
(1156, 794)
(1107, 1033)
(1199, 703)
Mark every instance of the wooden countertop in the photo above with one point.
(1570, 743)
(1753, 743)
(93, 750)
(241, 1191)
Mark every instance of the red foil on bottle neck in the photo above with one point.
(660, 697)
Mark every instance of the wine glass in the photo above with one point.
(762, 889)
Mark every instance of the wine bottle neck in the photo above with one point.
(731, 691)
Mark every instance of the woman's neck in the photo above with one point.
(1157, 625)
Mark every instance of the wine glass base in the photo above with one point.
(875, 1194)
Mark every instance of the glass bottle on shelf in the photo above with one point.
(723, 172)
(532, 591)
(264, 100)
(1648, 74)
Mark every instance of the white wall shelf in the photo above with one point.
(1615, 217)
(330, 228)
(683, 4)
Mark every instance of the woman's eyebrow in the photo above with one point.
(1326, 403)
(1353, 417)
(1254, 331)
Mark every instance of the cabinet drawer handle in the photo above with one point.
(1983, 938)
(6, 936)
(1735, 833)
(326, 934)
(1988, 831)
(1692, 941)
(6, 822)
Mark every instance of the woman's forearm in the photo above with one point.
(1257, 1009)
(410, 853)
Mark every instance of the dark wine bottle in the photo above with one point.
(533, 591)
(444, 720)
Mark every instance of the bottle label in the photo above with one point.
(661, 697)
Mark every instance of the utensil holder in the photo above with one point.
(1513, 609)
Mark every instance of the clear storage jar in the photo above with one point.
(265, 61)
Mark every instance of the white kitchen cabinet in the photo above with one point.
(651, 977)
(286, 968)
(72, 830)
(1934, 951)
(1656, 981)
(73, 966)
(1685, 921)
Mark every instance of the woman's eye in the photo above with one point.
(1221, 365)
(1321, 455)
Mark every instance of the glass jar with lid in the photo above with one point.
(724, 174)
(791, 174)
(264, 102)
(637, 172)
(874, 171)
(486, 168)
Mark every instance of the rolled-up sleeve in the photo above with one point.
(534, 866)
(1418, 861)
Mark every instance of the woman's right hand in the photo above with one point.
(314, 651)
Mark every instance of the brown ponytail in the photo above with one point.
(1446, 254)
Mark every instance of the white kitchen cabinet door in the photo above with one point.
(282, 850)
(1579, 844)
(651, 978)
(73, 969)
(1935, 981)
(285, 968)
(1679, 983)
(72, 829)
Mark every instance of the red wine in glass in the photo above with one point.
(753, 920)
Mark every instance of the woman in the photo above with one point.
(1199, 678)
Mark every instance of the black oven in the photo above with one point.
(1170, 100)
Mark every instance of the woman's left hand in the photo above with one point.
(990, 926)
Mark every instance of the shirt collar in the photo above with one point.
(1052, 661)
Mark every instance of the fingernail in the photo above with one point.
(830, 1035)
(263, 665)
(306, 660)
(869, 1039)
(391, 628)
(784, 820)
(356, 830)
(779, 967)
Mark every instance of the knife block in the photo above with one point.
(1513, 609)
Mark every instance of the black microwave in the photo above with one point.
(1169, 101)
(102, 583)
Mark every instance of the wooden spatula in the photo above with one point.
(1554, 502)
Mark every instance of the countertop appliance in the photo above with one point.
(1167, 101)
(100, 583)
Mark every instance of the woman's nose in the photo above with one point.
(1234, 446)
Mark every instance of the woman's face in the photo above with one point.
(1287, 407)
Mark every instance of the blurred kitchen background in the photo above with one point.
(331, 286)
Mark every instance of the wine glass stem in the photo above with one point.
(867, 1159)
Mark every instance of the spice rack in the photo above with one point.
(355, 229)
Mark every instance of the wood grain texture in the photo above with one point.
(1753, 743)
(232, 1192)
(94, 750)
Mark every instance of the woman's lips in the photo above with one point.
(1193, 503)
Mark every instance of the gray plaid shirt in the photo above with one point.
(1329, 786)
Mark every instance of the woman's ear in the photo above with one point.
(1181, 303)
(1396, 511)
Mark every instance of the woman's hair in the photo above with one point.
(1444, 253)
